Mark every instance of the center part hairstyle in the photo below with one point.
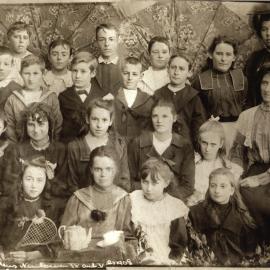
(235, 199)
(108, 26)
(159, 39)
(258, 20)
(38, 112)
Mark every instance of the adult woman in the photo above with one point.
(252, 151)
(37, 139)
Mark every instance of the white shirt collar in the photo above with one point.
(113, 61)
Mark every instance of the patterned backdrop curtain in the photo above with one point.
(189, 25)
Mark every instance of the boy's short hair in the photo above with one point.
(60, 42)
(32, 59)
(158, 39)
(5, 50)
(18, 26)
(85, 57)
(183, 56)
(258, 20)
(108, 26)
(223, 39)
(130, 60)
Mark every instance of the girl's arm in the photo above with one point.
(178, 238)
(70, 216)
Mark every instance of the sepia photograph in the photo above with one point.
(134, 134)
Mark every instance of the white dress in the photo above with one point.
(155, 219)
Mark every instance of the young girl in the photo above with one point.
(189, 108)
(99, 117)
(30, 201)
(59, 77)
(159, 215)
(210, 157)
(223, 90)
(163, 143)
(32, 68)
(156, 76)
(102, 206)
(37, 138)
(224, 219)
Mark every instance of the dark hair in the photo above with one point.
(108, 26)
(155, 168)
(104, 151)
(258, 20)
(183, 56)
(262, 72)
(223, 39)
(5, 50)
(236, 199)
(130, 60)
(60, 42)
(18, 26)
(32, 59)
(85, 57)
(37, 112)
(158, 39)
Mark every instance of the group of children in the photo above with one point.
(100, 143)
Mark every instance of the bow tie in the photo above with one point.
(82, 92)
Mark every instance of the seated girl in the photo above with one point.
(224, 219)
(99, 117)
(158, 215)
(212, 155)
(26, 206)
(37, 139)
(102, 206)
(163, 143)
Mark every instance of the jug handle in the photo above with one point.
(89, 235)
(60, 231)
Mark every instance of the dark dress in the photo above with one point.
(74, 110)
(225, 231)
(256, 61)
(179, 155)
(190, 111)
(55, 153)
(78, 162)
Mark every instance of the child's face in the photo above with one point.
(37, 130)
(99, 122)
(159, 55)
(220, 189)
(32, 77)
(60, 57)
(265, 88)
(179, 71)
(131, 75)
(103, 171)
(153, 191)
(210, 143)
(6, 65)
(19, 41)
(107, 40)
(2, 127)
(163, 119)
(34, 180)
(82, 75)
(265, 33)
(223, 57)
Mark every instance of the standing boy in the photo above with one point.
(132, 106)
(75, 99)
(108, 70)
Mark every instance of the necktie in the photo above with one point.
(82, 92)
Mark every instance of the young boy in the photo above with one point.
(108, 70)
(59, 55)
(258, 59)
(190, 111)
(7, 84)
(132, 106)
(32, 69)
(75, 100)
